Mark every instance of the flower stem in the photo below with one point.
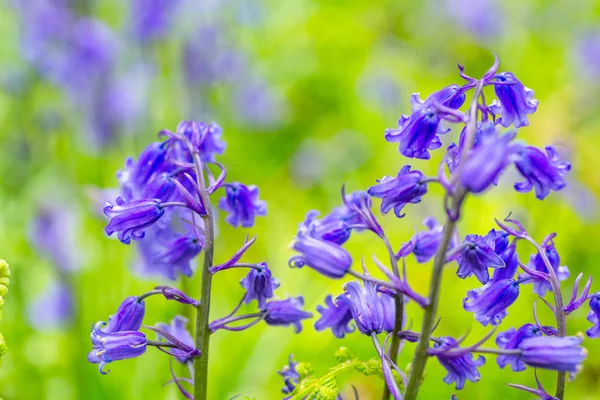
(420, 357)
(399, 317)
(202, 315)
(561, 323)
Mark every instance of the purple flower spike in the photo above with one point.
(286, 312)
(460, 368)
(336, 316)
(418, 133)
(290, 376)
(515, 101)
(536, 263)
(172, 293)
(365, 306)
(327, 258)
(540, 391)
(108, 347)
(397, 192)
(178, 254)
(242, 204)
(129, 316)
(542, 172)
(177, 329)
(510, 340)
(554, 352)
(491, 301)
(259, 285)
(130, 219)
(594, 317)
(485, 164)
(424, 244)
(476, 257)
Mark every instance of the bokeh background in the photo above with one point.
(304, 90)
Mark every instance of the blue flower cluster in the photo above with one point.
(471, 165)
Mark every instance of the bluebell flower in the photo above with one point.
(418, 133)
(114, 346)
(476, 257)
(490, 302)
(541, 286)
(593, 317)
(486, 162)
(259, 285)
(151, 19)
(161, 187)
(327, 258)
(515, 101)
(365, 306)
(389, 312)
(172, 293)
(500, 238)
(177, 255)
(336, 316)
(542, 172)
(331, 228)
(406, 187)
(510, 340)
(290, 376)
(554, 352)
(52, 309)
(424, 244)
(152, 160)
(130, 219)
(178, 329)
(129, 316)
(486, 131)
(511, 260)
(356, 212)
(460, 368)
(286, 312)
(211, 143)
(242, 204)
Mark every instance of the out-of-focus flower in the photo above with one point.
(365, 306)
(286, 312)
(406, 187)
(515, 101)
(481, 17)
(336, 316)
(178, 329)
(151, 19)
(242, 204)
(542, 172)
(178, 254)
(290, 376)
(52, 309)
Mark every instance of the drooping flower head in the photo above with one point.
(178, 254)
(536, 262)
(511, 260)
(286, 312)
(476, 257)
(356, 212)
(130, 219)
(424, 244)
(336, 316)
(593, 317)
(51, 309)
(259, 285)
(365, 306)
(460, 368)
(406, 187)
(542, 172)
(554, 352)
(510, 340)
(129, 316)
(331, 228)
(490, 302)
(327, 258)
(515, 101)
(242, 204)
(115, 346)
(418, 133)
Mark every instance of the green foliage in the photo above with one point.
(4, 281)
(325, 387)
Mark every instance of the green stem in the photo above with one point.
(421, 356)
(399, 305)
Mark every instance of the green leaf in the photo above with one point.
(4, 281)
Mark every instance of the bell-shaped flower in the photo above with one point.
(542, 172)
(327, 258)
(178, 254)
(476, 257)
(406, 187)
(130, 219)
(335, 316)
(554, 352)
(515, 101)
(460, 368)
(536, 262)
(259, 285)
(594, 317)
(286, 312)
(115, 346)
(129, 316)
(424, 244)
(177, 331)
(510, 340)
(491, 301)
(365, 306)
(242, 204)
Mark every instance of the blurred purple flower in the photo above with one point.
(178, 329)
(52, 309)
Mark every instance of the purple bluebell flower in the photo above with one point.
(177, 255)
(554, 352)
(511, 260)
(52, 309)
(327, 258)
(486, 131)
(406, 187)
(365, 306)
(542, 172)
(211, 143)
(476, 257)
(500, 240)
(151, 19)
(290, 376)
(259, 285)
(242, 204)
(356, 212)
(424, 244)
(490, 302)
(129, 316)
(460, 368)
(172, 293)
(286, 312)
(536, 262)
(586, 55)
(418, 133)
(152, 160)
(389, 312)
(593, 317)
(336, 316)
(515, 101)
(331, 228)
(161, 187)
(178, 329)
(113, 346)
(486, 162)
(482, 18)
(130, 219)
(510, 340)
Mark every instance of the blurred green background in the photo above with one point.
(304, 90)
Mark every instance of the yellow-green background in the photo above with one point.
(325, 58)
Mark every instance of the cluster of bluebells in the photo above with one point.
(164, 209)
(472, 164)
